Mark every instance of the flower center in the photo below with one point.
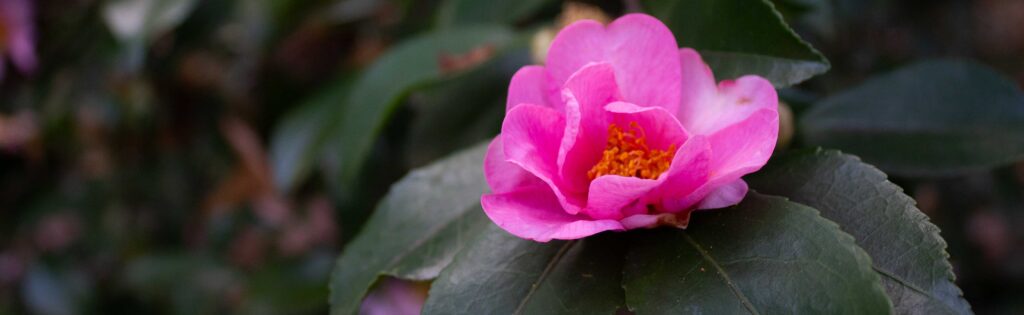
(627, 154)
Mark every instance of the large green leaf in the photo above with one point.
(764, 256)
(424, 220)
(936, 117)
(297, 140)
(468, 12)
(378, 92)
(906, 249)
(739, 37)
(504, 274)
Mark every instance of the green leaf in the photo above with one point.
(938, 117)
(503, 274)
(740, 37)
(378, 92)
(460, 111)
(469, 12)
(764, 256)
(906, 249)
(297, 140)
(424, 220)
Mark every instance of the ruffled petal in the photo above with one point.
(689, 171)
(586, 129)
(744, 147)
(726, 195)
(613, 196)
(735, 101)
(698, 87)
(502, 175)
(661, 129)
(642, 50)
(534, 213)
(533, 85)
(616, 197)
(530, 138)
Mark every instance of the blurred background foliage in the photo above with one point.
(209, 157)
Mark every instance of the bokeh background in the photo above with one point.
(177, 157)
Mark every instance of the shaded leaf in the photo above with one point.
(376, 94)
(766, 255)
(469, 12)
(298, 138)
(462, 110)
(425, 219)
(937, 117)
(739, 37)
(503, 274)
(906, 249)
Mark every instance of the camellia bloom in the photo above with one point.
(621, 129)
(16, 35)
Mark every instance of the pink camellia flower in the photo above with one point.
(16, 35)
(621, 130)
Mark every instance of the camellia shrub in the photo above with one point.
(646, 164)
(398, 157)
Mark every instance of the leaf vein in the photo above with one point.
(721, 272)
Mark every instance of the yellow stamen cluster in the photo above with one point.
(627, 154)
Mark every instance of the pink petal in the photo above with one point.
(17, 18)
(698, 87)
(23, 53)
(613, 196)
(734, 102)
(531, 136)
(726, 195)
(616, 197)
(502, 175)
(661, 128)
(535, 213)
(678, 220)
(642, 50)
(689, 171)
(533, 85)
(738, 150)
(586, 129)
(745, 146)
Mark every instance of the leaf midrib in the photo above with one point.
(912, 287)
(544, 274)
(721, 272)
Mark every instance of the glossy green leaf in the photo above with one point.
(503, 274)
(296, 142)
(376, 94)
(425, 219)
(469, 12)
(937, 117)
(906, 249)
(740, 37)
(765, 256)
